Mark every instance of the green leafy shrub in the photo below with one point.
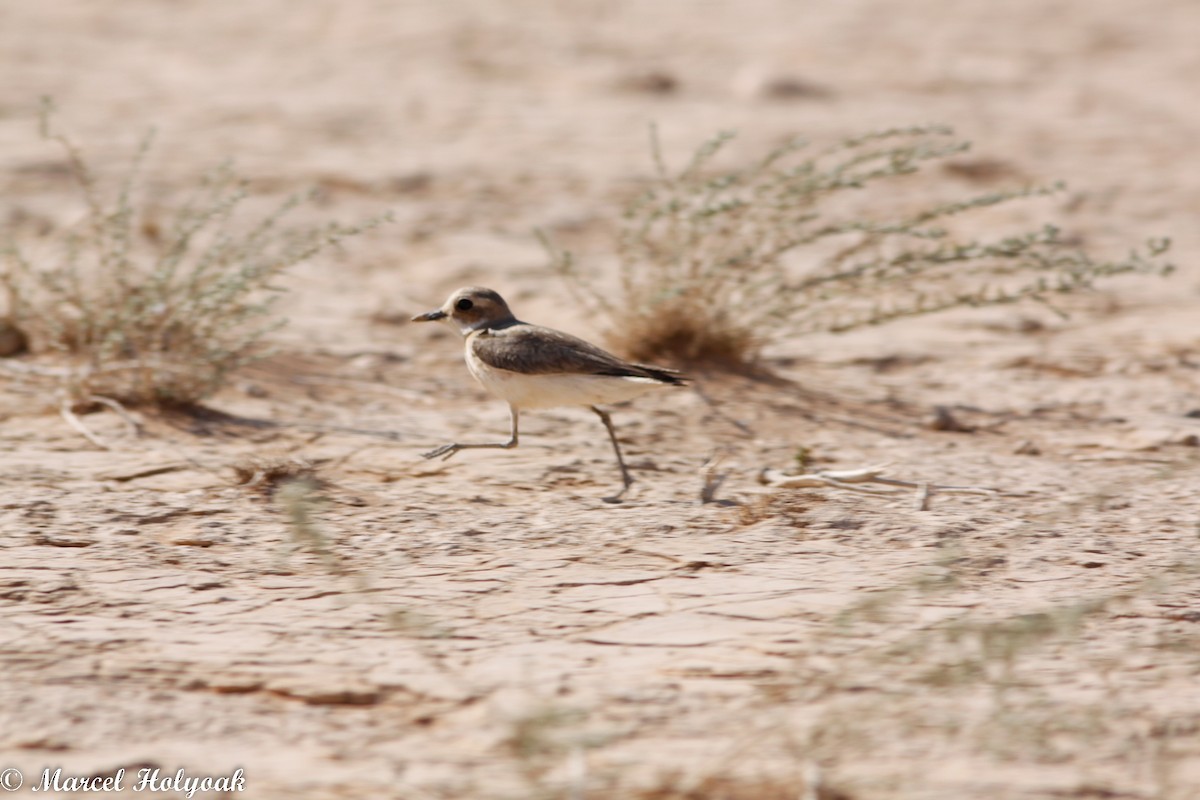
(145, 312)
(716, 263)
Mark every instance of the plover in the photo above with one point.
(529, 366)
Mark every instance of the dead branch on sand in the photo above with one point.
(870, 480)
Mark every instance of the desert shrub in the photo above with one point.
(715, 263)
(144, 311)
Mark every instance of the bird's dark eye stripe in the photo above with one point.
(464, 304)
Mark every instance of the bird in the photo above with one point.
(530, 366)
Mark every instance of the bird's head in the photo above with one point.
(470, 309)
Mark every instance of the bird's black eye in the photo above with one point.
(464, 305)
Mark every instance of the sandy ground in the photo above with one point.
(495, 629)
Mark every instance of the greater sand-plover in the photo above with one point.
(529, 366)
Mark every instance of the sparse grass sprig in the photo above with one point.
(714, 263)
(150, 313)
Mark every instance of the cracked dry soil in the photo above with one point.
(488, 627)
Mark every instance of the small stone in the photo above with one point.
(410, 183)
(789, 87)
(982, 170)
(316, 693)
(13, 341)
(189, 540)
(651, 82)
(231, 684)
(943, 420)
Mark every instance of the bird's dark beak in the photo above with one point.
(430, 316)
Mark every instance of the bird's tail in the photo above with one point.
(664, 375)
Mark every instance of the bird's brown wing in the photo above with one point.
(535, 350)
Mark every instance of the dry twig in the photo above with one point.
(65, 411)
(855, 480)
(712, 478)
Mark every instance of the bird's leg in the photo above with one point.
(612, 434)
(447, 450)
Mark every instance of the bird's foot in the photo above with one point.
(618, 497)
(445, 451)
